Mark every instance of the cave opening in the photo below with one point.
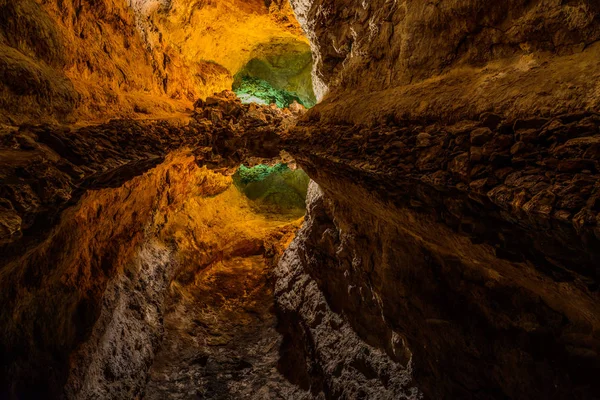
(278, 72)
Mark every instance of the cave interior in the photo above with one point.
(303, 199)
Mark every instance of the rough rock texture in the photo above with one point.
(96, 225)
(457, 154)
(423, 50)
(451, 252)
(67, 276)
(227, 32)
(88, 307)
(221, 339)
(81, 60)
(57, 58)
(478, 323)
(322, 353)
(45, 168)
(539, 174)
(124, 339)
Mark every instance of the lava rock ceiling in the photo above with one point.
(451, 243)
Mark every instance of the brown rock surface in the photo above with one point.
(79, 60)
(45, 168)
(458, 210)
(451, 249)
(105, 214)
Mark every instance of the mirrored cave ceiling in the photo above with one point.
(276, 189)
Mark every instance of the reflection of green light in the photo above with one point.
(273, 188)
(251, 89)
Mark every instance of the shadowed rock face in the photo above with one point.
(479, 316)
(96, 230)
(456, 157)
(407, 42)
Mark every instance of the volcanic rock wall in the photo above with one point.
(96, 224)
(450, 252)
(402, 43)
(457, 232)
(80, 60)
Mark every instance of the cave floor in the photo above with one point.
(220, 337)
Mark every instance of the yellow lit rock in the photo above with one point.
(114, 58)
(226, 31)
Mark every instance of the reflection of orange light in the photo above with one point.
(197, 213)
(218, 224)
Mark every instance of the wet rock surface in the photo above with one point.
(451, 251)
(45, 168)
(540, 175)
(108, 287)
(484, 229)
(458, 211)
(221, 340)
(472, 323)
(322, 352)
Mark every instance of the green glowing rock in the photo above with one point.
(275, 189)
(258, 91)
(259, 172)
(279, 72)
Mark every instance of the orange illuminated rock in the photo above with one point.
(107, 267)
(113, 58)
